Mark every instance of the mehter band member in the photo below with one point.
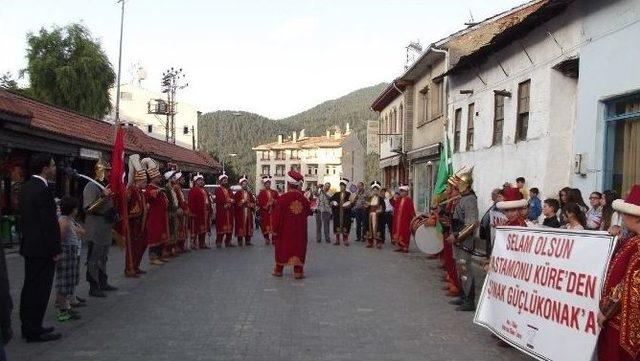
(199, 208)
(245, 203)
(290, 227)
(266, 201)
(341, 208)
(157, 227)
(224, 212)
(137, 211)
(374, 208)
(403, 213)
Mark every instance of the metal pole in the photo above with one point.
(119, 65)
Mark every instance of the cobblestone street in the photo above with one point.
(355, 304)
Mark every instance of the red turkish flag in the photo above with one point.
(117, 186)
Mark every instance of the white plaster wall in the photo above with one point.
(608, 67)
(544, 159)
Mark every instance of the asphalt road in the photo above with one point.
(355, 304)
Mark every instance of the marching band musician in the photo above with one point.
(157, 227)
(174, 212)
(245, 205)
(464, 226)
(403, 213)
(182, 218)
(514, 208)
(100, 217)
(445, 213)
(375, 211)
(341, 207)
(290, 227)
(619, 316)
(199, 208)
(266, 201)
(137, 212)
(224, 212)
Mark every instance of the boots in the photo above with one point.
(95, 291)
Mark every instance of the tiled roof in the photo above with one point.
(305, 143)
(80, 128)
(480, 35)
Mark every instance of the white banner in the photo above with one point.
(542, 291)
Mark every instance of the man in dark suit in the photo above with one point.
(40, 247)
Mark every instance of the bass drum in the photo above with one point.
(429, 240)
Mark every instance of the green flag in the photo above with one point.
(445, 168)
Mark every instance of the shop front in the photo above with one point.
(424, 166)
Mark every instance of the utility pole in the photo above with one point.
(117, 121)
(193, 137)
(171, 82)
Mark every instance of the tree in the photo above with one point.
(68, 68)
(7, 81)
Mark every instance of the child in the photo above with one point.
(67, 266)
(550, 210)
(576, 219)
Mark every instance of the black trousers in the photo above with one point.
(361, 217)
(38, 279)
(386, 222)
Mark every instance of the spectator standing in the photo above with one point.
(485, 222)
(522, 187)
(594, 214)
(576, 219)
(575, 196)
(550, 211)
(535, 205)
(6, 306)
(387, 216)
(360, 212)
(40, 247)
(608, 212)
(67, 270)
(563, 197)
(323, 213)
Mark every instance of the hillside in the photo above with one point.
(227, 132)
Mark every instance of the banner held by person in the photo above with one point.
(542, 290)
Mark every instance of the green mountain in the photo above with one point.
(236, 132)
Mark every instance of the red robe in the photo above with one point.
(157, 220)
(245, 205)
(619, 339)
(181, 219)
(266, 202)
(199, 210)
(136, 242)
(403, 213)
(290, 228)
(224, 211)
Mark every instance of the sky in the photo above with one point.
(271, 57)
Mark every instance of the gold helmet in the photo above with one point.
(100, 169)
(465, 179)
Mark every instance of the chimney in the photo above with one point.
(348, 130)
(301, 134)
(294, 137)
(337, 134)
(328, 133)
(279, 138)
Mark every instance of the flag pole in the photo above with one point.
(117, 121)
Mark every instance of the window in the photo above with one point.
(394, 116)
(149, 128)
(264, 155)
(126, 96)
(400, 119)
(456, 130)
(522, 124)
(266, 170)
(311, 153)
(295, 154)
(498, 119)
(295, 167)
(436, 99)
(312, 169)
(280, 155)
(424, 105)
(471, 113)
(622, 143)
(280, 170)
(280, 186)
(331, 169)
(185, 130)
